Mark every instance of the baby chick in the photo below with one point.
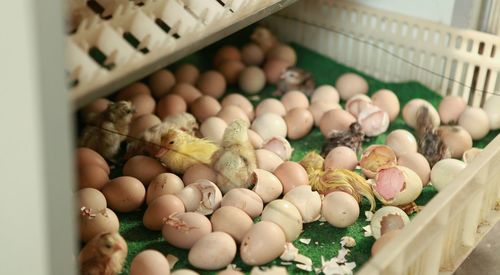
(430, 143)
(180, 150)
(352, 138)
(264, 38)
(294, 78)
(107, 130)
(236, 160)
(103, 255)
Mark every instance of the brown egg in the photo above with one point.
(213, 251)
(291, 174)
(270, 105)
(231, 113)
(387, 101)
(226, 53)
(231, 70)
(103, 221)
(232, 221)
(456, 139)
(418, 163)
(149, 262)
(92, 176)
(95, 107)
(187, 91)
(143, 168)
(205, 107)
(163, 184)
(335, 120)
(299, 122)
(187, 73)
(341, 157)
(143, 104)
(401, 142)
(183, 230)
(90, 198)
(252, 55)
(267, 160)
(140, 124)
(198, 172)
(450, 108)
(475, 121)
(213, 128)
(244, 199)
(212, 83)
(294, 99)
(252, 80)
(161, 82)
(273, 68)
(132, 90)
(124, 194)
(326, 94)
(350, 84)
(383, 240)
(89, 157)
(283, 52)
(160, 209)
(319, 108)
(240, 101)
(170, 105)
(264, 242)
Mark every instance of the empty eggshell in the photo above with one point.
(450, 108)
(124, 194)
(471, 154)
(397, 185)
(232, 221)
(280, 146)
(299, 122)
(387, 101)
(270, 105)
(187, 73)
(475, 121)
(212, 83)
(164, 183)
(325, 93)
(377, 157)
(273, 68)
(267, 160)
(231, 113)
(357, 103)
(92, 176)
(291, 174)
(401, 142)
(456, 139)
(373, 120)
(264, 242)
(198, 172)
(105, 220)
(131, 90)
(444, 171)
(143, 168)
(386, 219)
(418, 163)
(319, 108)
(252, 55)
(183, 230)
(383, 240)
(266, 185)
(308, 202)
(240, 101)
(202, 196)
(269, 125)
(231, 70)
(213, 129)
(143, 104)
(205, 107)
(283, 52)
(226, 53)
(340, 209)
(170, 105)
(493, 112)
(213, 251)
(88, 157)
(187, 91)
(341, 157)
(149, 262)
(286, 216)
(350, 84)
(160, 209)
(334, 121)
(255, 139)
(140, 124)
(161, 82)
(411, 111)
(244, 199)
(294, 99)
(252, 80)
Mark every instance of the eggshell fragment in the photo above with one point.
(244, 199)
(471, 154)
(149, 262)
(456, 139)
(252, 55)
(232, 221)
(105, 220)
(267, 160)
(143, 168)
(264, 242)
(387, 219)
(291, 174)
(450, 108)
(280, 146)
(199, 172)
(401, 142)
(231, 113)
(213, 129)
(340, 209)
(212, 83)
(286, 216)
(160, 209)
(92, 176)
(266, 185)
(325, 93)
(308, 202)
(273, 68)
(131, 90)
(412, 109)
(163, 184)
(445, 171)
(124, 194)
(213, 251)
(270, 105)
(387, 101)
(90, 198)
(89, 157)
(205, 107)
(397, 185)
(383, 240)
(183, 230)
(187, 73)
(202, 196)
(341, 157)
(418, 163)
(334, 121)
(283, 52)
(475, 121)
(319, 108)
(231, 70)
(140, 124)
(240, 101)
(299, 122)
(294, 99)
(269, 125)
(161, 82)
(377, 157)
(187, 91)
(492, 111)
(373, 120)
(357, 103)
(252, 79)
(350, 84)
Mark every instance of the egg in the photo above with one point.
(213, 251)
(294, 99)
(397, 185)
(411, 110)
(308, 202)
(492, 111)
(445, 171)
(160, 209)
(187, 91)
(244, 199)
(377, 157)
(299, 122)
(212, 83)
(373, 120)
(205, 107)
(163, 184)
(267, 160)
(387, 219)
(280, 146)
(291, 174)
(143, 104)
(334, 121)
(124, 194)
(270, 105)
(255, 139)
(450, 108)
(161, 82)
(202, 196)
(184, 272)
(92, 176)
(231, 70)
(88, 157)
(90, 198)
(357, 103)
(252, 80)
(252, 55)
(213, 129)
(475, 121)
(140, 124)
(383, 240)
(231, 113)
(230, 271)
(387, 101)
(273, 68)
(266, 185)
(269, 125)
(199, 172)
(350, 84)
(240, 101)
(187, 73)
(170, 105)
(401, 142)
(264, 242)
(340, 209)
(319, 108)
(456, 139)
(418, 163)
(131, 90)
(232, 221)
(149, 262)
(286, 216)
(105, 220)
(283, 52)
(341, 157)
(326, 94)
(226, 53)
(143, 168)
(183, 230)
(95, 107)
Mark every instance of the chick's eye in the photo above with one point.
(172, 142)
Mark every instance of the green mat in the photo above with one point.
(324, 238)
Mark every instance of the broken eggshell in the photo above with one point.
(386, 219)
(471, 154)
(373, 120)
(244, 199)
(266, 185)
(202, 196)
(308, 202)
(357, 103)
(397, 185)
(377, 157)
(280, 146)
(267, 160)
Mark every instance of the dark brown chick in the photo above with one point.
(430, 144)
(103, 255)
(352, 138)
(296, 79)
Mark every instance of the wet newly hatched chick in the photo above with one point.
(296, 79)
(103, 255)
(264, 38)
(430, 143)
(236, 160)
(105, 132)
(352, 138)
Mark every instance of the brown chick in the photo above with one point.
(103, 255)
(107, 130)
(430, 143)
(264, 38)
(352, 138)
(294, 78)
(236, 160)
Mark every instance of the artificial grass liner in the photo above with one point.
(325, 239)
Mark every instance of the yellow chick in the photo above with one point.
(103, 255)
(180, 150)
